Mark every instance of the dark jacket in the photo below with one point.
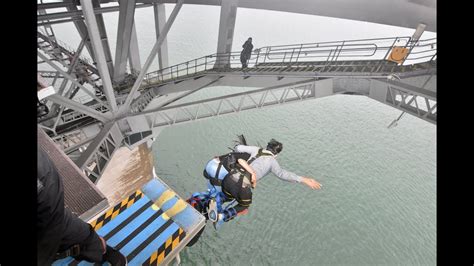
(50, 209)
(247, 51)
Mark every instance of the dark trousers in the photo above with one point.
(243, 60)
(234, 189)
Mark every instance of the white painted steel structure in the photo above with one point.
(127, 105)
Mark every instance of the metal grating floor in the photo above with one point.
(81, 196)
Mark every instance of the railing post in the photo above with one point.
(292, 52)
(327, 61)
(266, 55)
(340, 50)
(299, 52)
(391, 48)
(412, 45)
(386, 54)
(258, 55)
(329, 56)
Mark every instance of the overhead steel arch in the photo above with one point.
(401, 13)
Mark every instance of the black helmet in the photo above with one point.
(274, 146)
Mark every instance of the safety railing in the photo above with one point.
(349, 52)
(75, 115)
(422, 51)
(70, 138)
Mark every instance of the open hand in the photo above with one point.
(313, 184)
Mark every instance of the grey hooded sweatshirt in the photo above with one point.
(266, 164)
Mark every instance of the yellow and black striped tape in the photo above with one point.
(116, 210)
(172, 242)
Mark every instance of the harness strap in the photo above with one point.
(218, 170)
(243, 181)
(259, 153)
(212, 180)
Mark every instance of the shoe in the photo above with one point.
(212, 211)
(114, 257)
(219, 222)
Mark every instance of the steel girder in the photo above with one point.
(61, 100)
(421, 106)
(420, 102)
(160, 22)
(69, 71)
(225, 39)
(77, 15)
(70, 78)
(95, 158)
(134, 53)
(97, 45)
(124, 33)
(126, 106)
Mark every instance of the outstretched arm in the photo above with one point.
(292, 177)
(249, 169)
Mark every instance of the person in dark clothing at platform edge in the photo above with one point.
(246, 52)
(60, 233)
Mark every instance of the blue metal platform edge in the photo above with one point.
(150, 227)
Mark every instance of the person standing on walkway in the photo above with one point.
(246, 52)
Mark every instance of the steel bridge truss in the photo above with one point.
(70, 139)
(233, 103)
(98, 154)
(421, 106)
(367, 57)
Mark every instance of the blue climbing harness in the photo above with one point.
(202, 200)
